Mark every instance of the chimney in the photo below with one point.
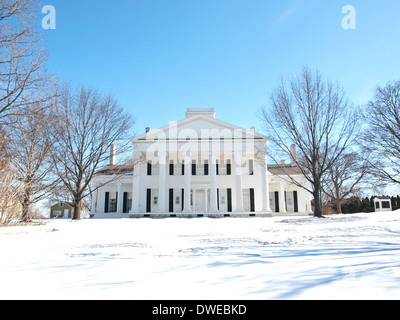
(112, 155)
(148, 129)
(293, 155)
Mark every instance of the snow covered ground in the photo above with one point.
(340, 257)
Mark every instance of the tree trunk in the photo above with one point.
(25, 212)
(339, 206)
(26, 202)
(77, 209)
(317, 203)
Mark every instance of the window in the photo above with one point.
(377, 205)
(224, 167)
(385, 205)
(246, 200)
(112, 202)
(251, 167)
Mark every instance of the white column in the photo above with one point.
(206, 197)
(282, 204)
(187, 178)
(194, 209)
(162, 159)
(265, 188)
(213, 183)
(135, 188)
(239, 188)
(120, 198)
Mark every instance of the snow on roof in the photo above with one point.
(115, 169)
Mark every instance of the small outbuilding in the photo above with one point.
(62, 210)
(382, 204)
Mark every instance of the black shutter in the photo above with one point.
(252, 204)
(171, 200)
(218, 198)
(206, 168)
(107, 198)
(148, 200)
(228, 168)
(183, 168)
(276, 201)
(125, 203)
(183, 197)
(193, 168)
(296, 204)
(217, 168)
(149, 168)
(229, 200)
(171, 168)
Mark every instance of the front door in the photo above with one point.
(200, 202)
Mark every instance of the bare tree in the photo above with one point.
(30, 152)
(314, 115)
(10, 186)
(343, 178)
(22, 58)
(381, 140)
(87, 123)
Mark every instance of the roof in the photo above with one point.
(283, 169)
(199, 124)
(115, 169)
(64, 202)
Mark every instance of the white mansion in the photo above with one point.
(199, 166)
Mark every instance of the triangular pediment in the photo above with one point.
(200, 127)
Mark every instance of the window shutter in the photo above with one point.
(148, 200)
(229, 195)
(228, 168)
(171, 200)
(252, 203)
(106, 202)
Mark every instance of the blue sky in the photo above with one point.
(161, 56)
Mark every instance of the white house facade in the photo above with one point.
(199, 167)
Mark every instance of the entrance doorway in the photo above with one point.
(200, 200)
